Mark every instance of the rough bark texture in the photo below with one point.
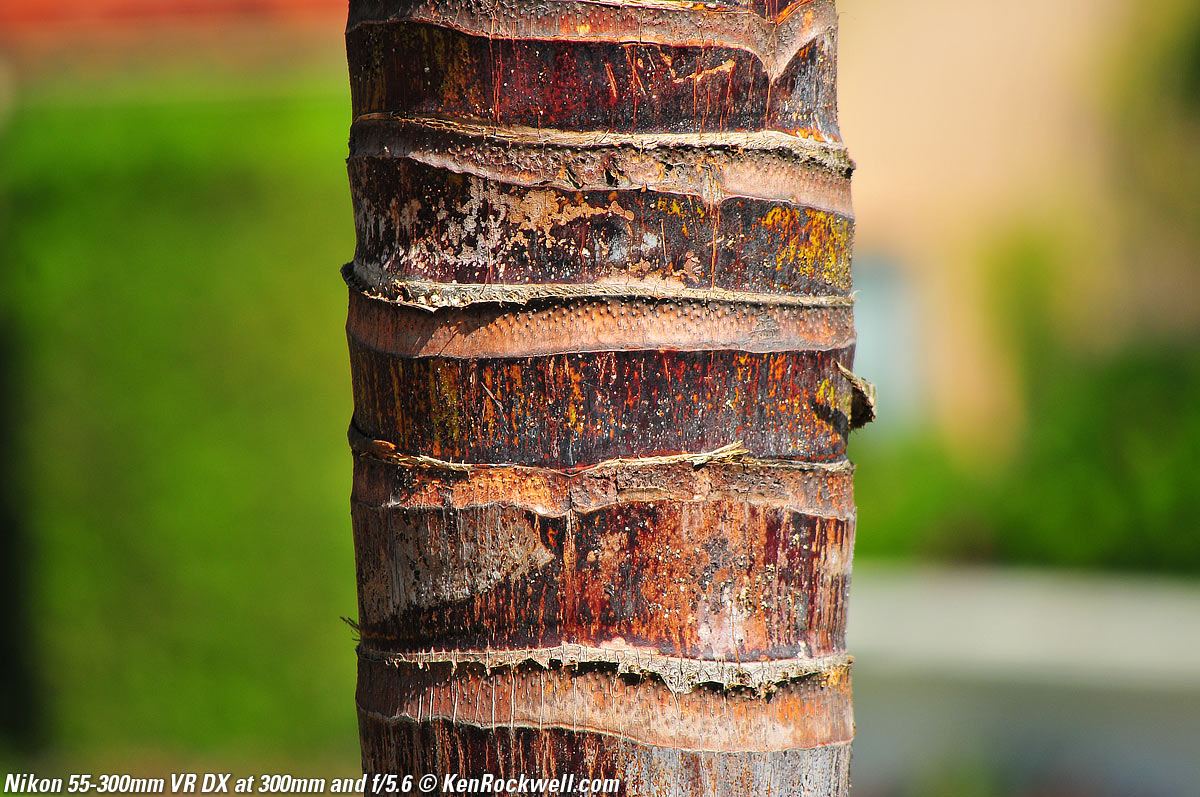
(600, 337)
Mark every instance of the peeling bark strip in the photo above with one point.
(819, 489)
(679, 675)
(600, 339)
(761, 164)
(595, 324)
(805, 712)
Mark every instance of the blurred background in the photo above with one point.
(174, 531)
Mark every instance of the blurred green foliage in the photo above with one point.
(171, 271)
(969, 778)
(1156, 114)
(1103, 474)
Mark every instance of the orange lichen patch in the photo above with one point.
(670, 205)
(574, 403)
(807, 712)
(810, 133)
(807, 243)
(829, 234)
(450, 54)
(445, 409)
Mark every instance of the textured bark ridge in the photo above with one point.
(600, 339)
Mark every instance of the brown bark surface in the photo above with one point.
(600, 338)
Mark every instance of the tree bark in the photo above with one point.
(600, 338)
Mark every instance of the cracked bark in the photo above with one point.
(600, 339)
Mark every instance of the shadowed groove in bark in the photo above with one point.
(601, 348)
(678, 674)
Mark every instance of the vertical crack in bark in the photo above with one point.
(601, 347)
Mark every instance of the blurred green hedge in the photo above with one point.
(179, 401)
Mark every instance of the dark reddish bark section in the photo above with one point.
(573, 410)
(719, 580)
(410, 219)
(600, 85)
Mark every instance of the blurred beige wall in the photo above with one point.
(966, 118)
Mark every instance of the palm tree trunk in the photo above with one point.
(600, 331)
